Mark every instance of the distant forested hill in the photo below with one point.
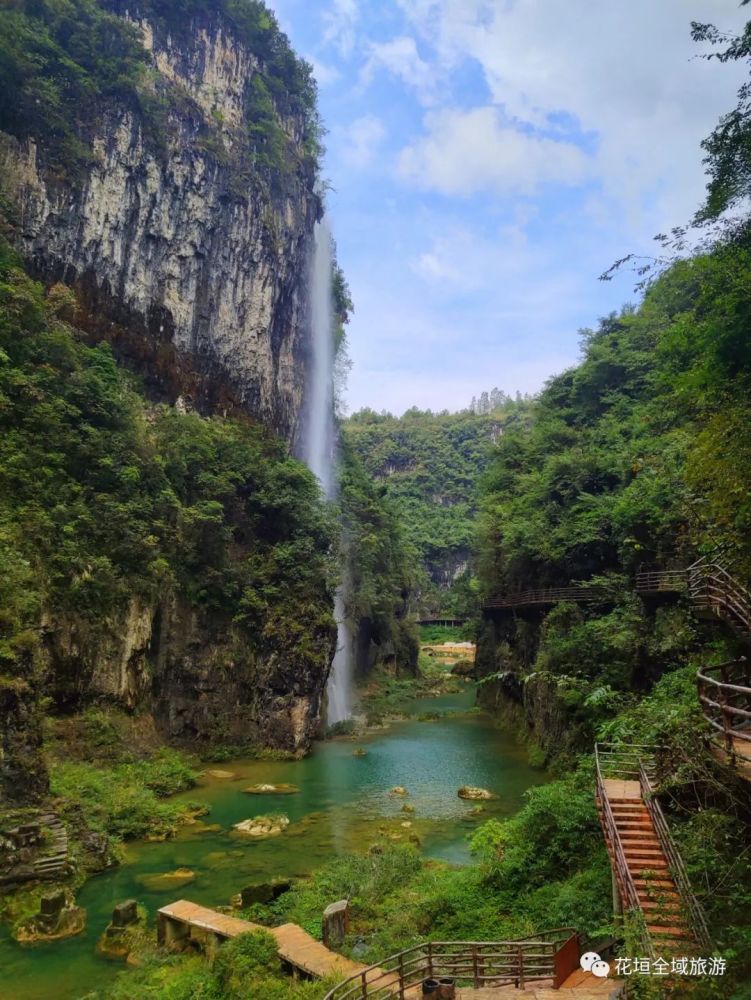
(429, 464)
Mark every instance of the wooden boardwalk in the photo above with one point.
(740, 757)
(183, 920)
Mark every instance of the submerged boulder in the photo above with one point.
(398, 790)
(167, 881)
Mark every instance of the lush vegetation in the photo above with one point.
(428, 465)
(112, 769)
(63, 66)
(379, 571)
(639, 457)
(248, 966)
(104, 500)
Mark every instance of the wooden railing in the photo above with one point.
(725, 696)
(624, 760)
(659, 581)
(550, 955)
(712, 587)
(626, 886)
(692, 908)
(550, 595)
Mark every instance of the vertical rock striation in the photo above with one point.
(179, 202)
(188, 248)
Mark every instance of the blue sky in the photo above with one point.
(488, 159)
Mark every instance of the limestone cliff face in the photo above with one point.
(200, 678)
(187, 254)
(186, 235)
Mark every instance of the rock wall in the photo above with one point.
(187, 256)
(188, 251)
(202, 679)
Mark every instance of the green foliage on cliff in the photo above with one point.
(104, 498)
(429, 465)
(637, 457)
(379, 568)
(64, 65)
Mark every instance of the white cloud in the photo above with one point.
(400, 57)
(359, 143)
(624, 73)
(340, 23)
(463, 152)
(460, 260)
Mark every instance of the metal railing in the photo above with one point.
(550, 955)
(624, 878)
(725, 696)
(549, 595)
(692, 908)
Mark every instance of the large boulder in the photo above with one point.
(259, 827)
(471, 792)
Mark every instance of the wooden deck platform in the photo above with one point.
(580, 985)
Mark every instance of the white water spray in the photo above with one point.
(319, 451)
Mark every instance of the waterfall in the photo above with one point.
(319, 450)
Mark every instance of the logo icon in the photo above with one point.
(591, 962)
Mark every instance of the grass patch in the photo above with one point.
(125, 800)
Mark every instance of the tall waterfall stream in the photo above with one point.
(321, 449)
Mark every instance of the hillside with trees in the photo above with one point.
(429, 466)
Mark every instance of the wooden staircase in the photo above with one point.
(649, 874)
(656, 891)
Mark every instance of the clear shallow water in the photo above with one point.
(343, 804)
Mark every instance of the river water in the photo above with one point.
(343, 804)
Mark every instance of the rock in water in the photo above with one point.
(398, 790)
(259, 827)
(220, 775)
(124, 933)
(272, 789)
(472, 792)
(58, 917)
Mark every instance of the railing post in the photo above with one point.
(364, 986)
(430, 959)
(727, 728)
(474, 967)
(401, 976)
(521, 967)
